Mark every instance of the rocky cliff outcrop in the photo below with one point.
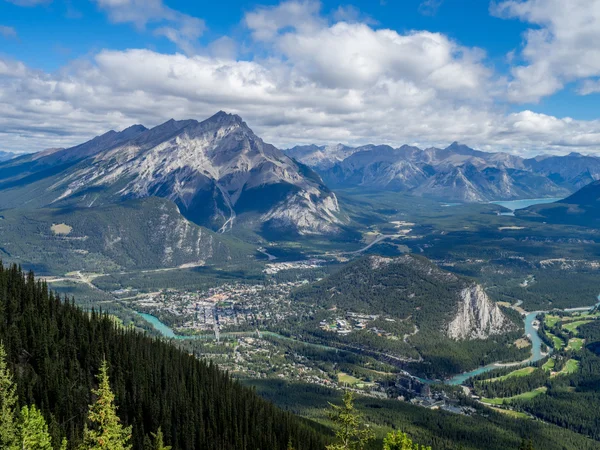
(478, 317)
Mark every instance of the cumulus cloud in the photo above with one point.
(323, 81)
(302, 16)
(562, 47)
(8, 32)
(181, 29)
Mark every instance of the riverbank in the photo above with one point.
(530, 331)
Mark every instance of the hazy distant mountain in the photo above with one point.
(376, 166)
(6, 155)
(456, 172)
(469, 184)
(322, 157)
(572, 171)
(215, 171)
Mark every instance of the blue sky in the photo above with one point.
(515, 75)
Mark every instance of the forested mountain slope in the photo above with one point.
(581, 208)
(444, 322)
(55, 350)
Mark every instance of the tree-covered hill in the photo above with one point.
(581, 208)
(55, 350)
(445, 323)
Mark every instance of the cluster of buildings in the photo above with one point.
(219, 308)
(273, 268)
(353, 322)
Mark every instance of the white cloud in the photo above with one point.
(300, 15)
(563, 47)
(181, 29)
(349, 13)
(321, 82)
(8, 32)
(590, 87)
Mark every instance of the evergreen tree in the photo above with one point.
(34, 430)
(290, 445)
(8, 403)
(526, 445)
(106, 433)
(158, 443)
(351, 433)
(401, 441)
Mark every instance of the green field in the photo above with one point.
(511, 413)
(549, 365)
(525, 396)
(344, 378)
(551, 320)
(517, 373)
(571, 367)
(572, 326)
(575, 344)
(558, 342)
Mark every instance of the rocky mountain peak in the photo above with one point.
(217, 172)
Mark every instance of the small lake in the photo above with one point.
(513, 205)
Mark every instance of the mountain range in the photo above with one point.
(455, 173)
(217, 172)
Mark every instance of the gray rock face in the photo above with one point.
(456, 173)
(214, 171)
(320, 157)
(477, 317)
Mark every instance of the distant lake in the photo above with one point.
(526, 203)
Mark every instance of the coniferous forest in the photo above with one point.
(55, 351)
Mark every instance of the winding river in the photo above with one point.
(530, 331)
(536, 353)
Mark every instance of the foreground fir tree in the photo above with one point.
(401, 441)
(34, 430)
(8, 403)
(105, 431)
(351, 433)
(159, 443)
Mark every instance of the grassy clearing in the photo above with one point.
(517, 373)
(61, 229)
(571, 366)
(575, 344)
(524, 396)
(551, 320)
(511, 413)
(549, 365)
(558, 342)
(572, 326)
(344, 378)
